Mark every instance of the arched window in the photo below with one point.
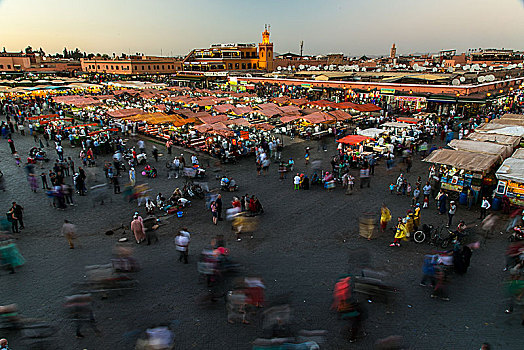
(261, 54)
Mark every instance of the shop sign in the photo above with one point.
(410, 98)
(450, 187)
(215, 74)
(306, 85)
(387, 91)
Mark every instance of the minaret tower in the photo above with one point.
(265, 51)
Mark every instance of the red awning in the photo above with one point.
(353, 139)
(408, 120)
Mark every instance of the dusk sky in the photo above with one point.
(354, 27)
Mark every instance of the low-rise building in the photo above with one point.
(134, 65)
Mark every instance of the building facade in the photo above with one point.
(232, 57)
(131, 65)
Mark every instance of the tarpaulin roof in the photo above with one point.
(238, 121)
(518, 154)
(119, 113)
(512, 169)
(470, 161)
(209, 119)
(353, 139)
(495, 138)
(340, 115)
(408, 120)
(508, 130)
(481, 147)
(269, 112)
(290, 117)
(318, 117)
(289, 109)
(264, 126)
(223, 108)
(241, 110)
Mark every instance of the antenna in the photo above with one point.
(301, 47)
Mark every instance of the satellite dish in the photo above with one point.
(481, 79)
(434, 70)
(462, 79)
(415, 66)
(467, 67)
(490, 67)
(363, 69)
(520, 65)
(457, 65)
(455, 82)
(378, 70)
(279, 68)
(301, 67)
(484, 65)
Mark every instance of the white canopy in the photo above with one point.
(508, 130)
(512, 169)
(396, 125)
(371, 132)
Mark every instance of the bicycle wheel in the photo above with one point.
(419, 236)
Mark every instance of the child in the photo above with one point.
(392, 188)
(408, 190)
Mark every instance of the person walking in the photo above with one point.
(11, 217)
(182, 240)
(11, 145)
(18, 211)
(451, 212)
(484, 208)
(137, 227)
(116, 185)
(296, 181)
(60, 152)
(69, 232)
(219, 207)
(214, 211)
(45, 186)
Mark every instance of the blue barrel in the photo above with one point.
(496, 203)
(463, 198)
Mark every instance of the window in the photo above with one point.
(213, 66)
(112, 67)
(236, 65)
(142, 67)
(229, 66)
(149, 67)
(98, 66)
(243, 66)
(269, 54)
(106, 66)
(116, 67)
(1, 66)
(162, 67)
(249, 66)
(261, 54)
(8, 66)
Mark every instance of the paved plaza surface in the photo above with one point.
(304, 241)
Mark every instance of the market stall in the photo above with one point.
(508, 140)
(502, 151)
(510, 177)
(460, 170)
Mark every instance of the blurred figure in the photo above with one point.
(255, 291)
(81, 309)
(69, 232)
(3, 344)
(385, 217)
(440, 289)
(236, 306)
(428, 270)
(393, 342)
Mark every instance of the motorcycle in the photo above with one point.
(517, 234)
(193, 191)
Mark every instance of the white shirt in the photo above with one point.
(182, 241)
(296, 180)
(485, 204)
(140, 144)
